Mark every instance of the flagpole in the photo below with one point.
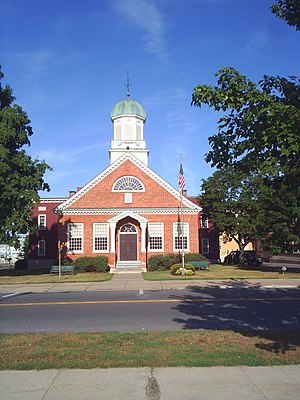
(181, 186)
(182, 244)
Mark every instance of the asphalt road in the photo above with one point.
(241, 309)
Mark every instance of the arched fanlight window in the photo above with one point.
(128, 228)
(128, 184)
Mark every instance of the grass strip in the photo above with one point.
(148, 349)
(47, 278)
(218, 271)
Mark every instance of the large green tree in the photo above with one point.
(21, 175)
(255, 190)
(289, 11)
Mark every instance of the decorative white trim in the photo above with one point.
(127, 156)
(125, 214)
(53, 200)
(112, 211)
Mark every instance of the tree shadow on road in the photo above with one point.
(272, 315)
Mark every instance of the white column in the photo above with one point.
(112, 226)
(143, 244)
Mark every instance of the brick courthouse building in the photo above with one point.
(127, 212)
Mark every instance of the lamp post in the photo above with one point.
(59, 259)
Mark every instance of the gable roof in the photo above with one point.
(112, 167)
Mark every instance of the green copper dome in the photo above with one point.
(128, 107)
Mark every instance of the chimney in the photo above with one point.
(71, 193)
(184, 192)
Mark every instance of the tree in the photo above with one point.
(256, 151)
(21, 175)
(289, 11)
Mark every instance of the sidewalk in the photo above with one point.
(215, 383)
(135, 281)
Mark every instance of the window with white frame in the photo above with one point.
(128, 183)
(41, 247)
(181, 234)
(100, 233)
(204, 221)
(42, 221)
(156, 236)
(205, 246)
(75, 232)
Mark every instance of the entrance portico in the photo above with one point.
(128, 241)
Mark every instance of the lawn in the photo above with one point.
(219, 271)
(216, 271)
(148, 349)
(47, 278)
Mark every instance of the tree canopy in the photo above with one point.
(289, 11)
(255, 191)
(21, 175)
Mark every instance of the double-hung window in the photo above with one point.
(42, 221)
(155, 236)
(100, 234)
(75, 231)
(181, 235)
(204, 222)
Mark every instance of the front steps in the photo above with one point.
(128, 266)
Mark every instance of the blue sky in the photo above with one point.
(67, 62)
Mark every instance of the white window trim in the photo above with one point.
(39, 248)
(187, 225)
(204, 223)
(40, 216)
(76, 251)
(163, 239)
(107, 236)
(207, 246)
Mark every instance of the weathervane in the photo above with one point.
(128, 84)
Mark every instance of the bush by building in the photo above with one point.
(91, 264)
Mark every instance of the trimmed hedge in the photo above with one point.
(91, 264)
(158, 262)
(194, 257)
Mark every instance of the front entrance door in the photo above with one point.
(128, 243)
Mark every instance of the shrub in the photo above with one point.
(194, 257)
(158, 262)
(177, 269)
(155, 262)
(91, 264)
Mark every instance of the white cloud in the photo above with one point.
(146, 16)
(73, 155)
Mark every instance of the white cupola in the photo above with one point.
(128, 117)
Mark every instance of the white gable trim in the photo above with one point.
(118, 217)
(128, 156)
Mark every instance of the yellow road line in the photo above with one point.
(63, 303)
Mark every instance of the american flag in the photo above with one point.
(181, 180)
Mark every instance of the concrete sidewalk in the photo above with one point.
(135, 281)
(246, 383)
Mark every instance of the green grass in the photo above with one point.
(148, 349)
(47, 278)
(219, 271)
(216, 271)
